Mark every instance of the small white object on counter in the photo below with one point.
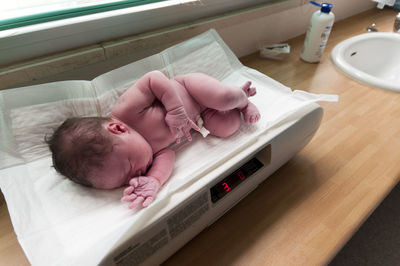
(382, 3)
(275, 51)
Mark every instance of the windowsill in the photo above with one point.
(116, 52)
(28, 42)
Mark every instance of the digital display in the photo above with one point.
(233, 180)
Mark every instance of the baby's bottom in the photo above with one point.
(221, 123)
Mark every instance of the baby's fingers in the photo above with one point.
(193, 125)
(137, 202)
(128, 190)
(134, 183)
(176, 133)
(147, 201)
(129, 198)
(187, 134)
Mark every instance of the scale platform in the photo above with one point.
(233, 181)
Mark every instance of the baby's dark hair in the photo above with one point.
(78, 146)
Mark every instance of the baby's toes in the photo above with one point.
(246, 85)
(246, 88)
(251, 91)
(253, 119)
(251, 114)
(256, 118)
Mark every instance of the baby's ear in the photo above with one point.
(116, 128)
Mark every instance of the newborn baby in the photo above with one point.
(131, 146)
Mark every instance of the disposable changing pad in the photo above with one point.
(58, 222)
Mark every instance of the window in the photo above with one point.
(21, 13)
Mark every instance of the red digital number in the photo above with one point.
(241, 175)
(226, 187)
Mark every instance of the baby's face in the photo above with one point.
(131, 156)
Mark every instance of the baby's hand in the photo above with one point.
(142, 191)
(180, 124)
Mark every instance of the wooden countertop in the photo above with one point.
(306, 211)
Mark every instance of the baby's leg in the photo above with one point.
(221, 123)
(213, 94)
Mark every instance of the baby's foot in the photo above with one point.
(250, 113)
(250, 91)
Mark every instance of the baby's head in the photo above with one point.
(78, 146)
(99, 152)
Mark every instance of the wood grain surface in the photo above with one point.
(307, 210)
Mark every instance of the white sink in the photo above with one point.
(370, 58)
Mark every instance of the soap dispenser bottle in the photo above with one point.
(318, 33)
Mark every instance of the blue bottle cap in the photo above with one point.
(325, 7)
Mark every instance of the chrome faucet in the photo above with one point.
(396, 26)
(372, 28)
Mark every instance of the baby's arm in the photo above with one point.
(155, 85)
(143, 189)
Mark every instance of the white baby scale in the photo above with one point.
(60, 223)
(228, 184)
